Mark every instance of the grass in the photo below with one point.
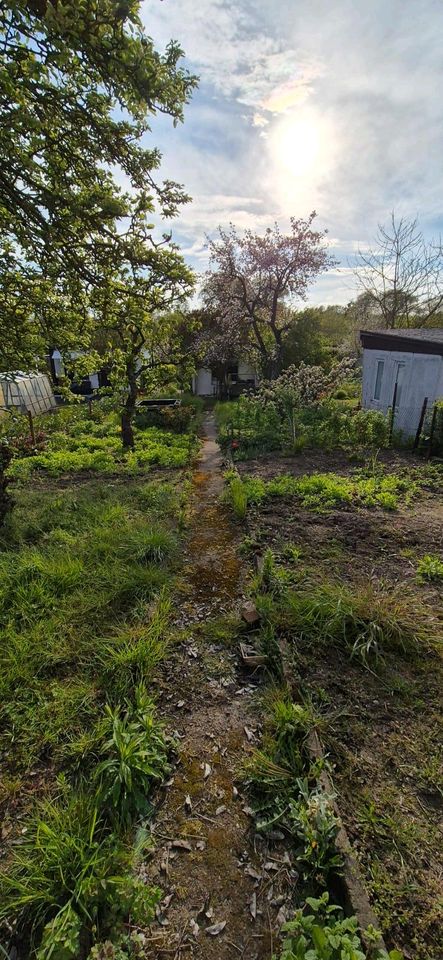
(323, 491)
(85, 610)
(70, 867)
(82, 605)
(363, 621)
(368, 650)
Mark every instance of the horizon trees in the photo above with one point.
(402, 276)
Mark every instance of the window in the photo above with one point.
(399, 383)
(378, 379)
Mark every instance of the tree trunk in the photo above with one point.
(128, 411)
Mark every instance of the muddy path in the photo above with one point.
(223, 887)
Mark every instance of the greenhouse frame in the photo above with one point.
(26, 392)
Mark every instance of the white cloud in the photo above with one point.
(307, 104)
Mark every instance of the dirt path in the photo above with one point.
(208, 860)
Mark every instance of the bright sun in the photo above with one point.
(302, 148)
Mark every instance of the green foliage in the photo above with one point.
(68, 862)
(324, 934)
(314, 823)
(365, 622)
(134, 756)
(256, 427)
(237, 496)
(76, 443)
(324, 491)
(83, 611)
(279, 776)
(61, 936)
(430, 567)
(90, 74)
(179, 419)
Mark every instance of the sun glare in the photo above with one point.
(302, 148)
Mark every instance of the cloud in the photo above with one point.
(306, 105)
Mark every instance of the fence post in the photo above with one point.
(431, 433)
(391, 425)
(420, 423)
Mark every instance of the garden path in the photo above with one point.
(220, 901)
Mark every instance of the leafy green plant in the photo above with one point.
(135, 756)
(61, 936)
(430, 567)
(313, 821)
(324, 934)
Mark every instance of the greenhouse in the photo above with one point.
(26, 392)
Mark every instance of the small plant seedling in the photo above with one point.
(430, 567)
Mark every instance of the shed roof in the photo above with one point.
(405, 340)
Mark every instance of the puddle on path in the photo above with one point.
(212, 567)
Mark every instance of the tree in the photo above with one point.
(254, 278)
(402, 275)
(305, 341)
(134, 305)
(78, 83)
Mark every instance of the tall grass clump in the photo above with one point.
(237, 496)
(364, 622)
(69, 876)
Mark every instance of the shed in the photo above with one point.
(401, 369)
(26, 392)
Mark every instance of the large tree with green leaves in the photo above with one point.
(79, 82)
(135, 312)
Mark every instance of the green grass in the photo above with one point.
(85, 611)
(323, 491)
(363, 621)
(70, 870)
(81, 574)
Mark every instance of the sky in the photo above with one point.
(327, 105)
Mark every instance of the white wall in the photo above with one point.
(422, 377)
(202, 382)
(246, 372)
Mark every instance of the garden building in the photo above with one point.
(224, 380)
(26, 392)
(403, 372)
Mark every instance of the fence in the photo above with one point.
(418, 426)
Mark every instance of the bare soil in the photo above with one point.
(383, 727)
